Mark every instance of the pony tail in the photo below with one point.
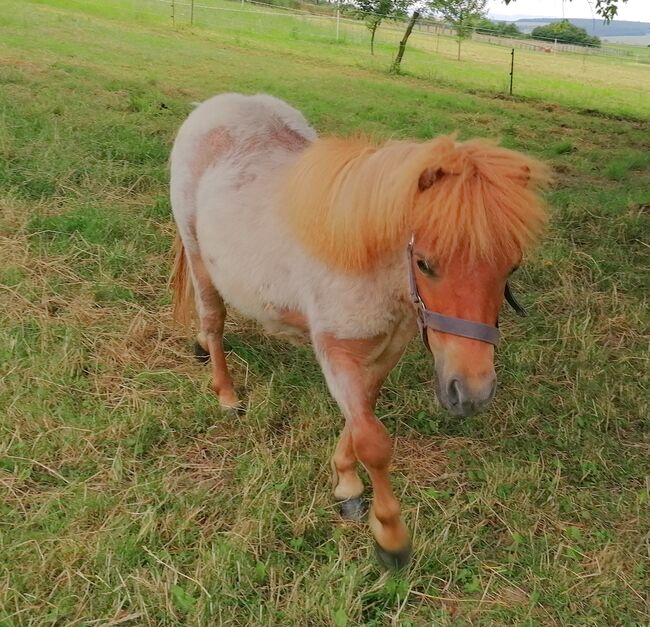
(180, 283)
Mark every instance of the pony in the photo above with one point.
(351, 244)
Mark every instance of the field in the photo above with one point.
(128, 498)
(613, 85)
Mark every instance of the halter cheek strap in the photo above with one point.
(428, 319)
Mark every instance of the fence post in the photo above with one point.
(173, 12)
(192, 12)
(338, 18)
(512, 68)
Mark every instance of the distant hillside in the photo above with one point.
(595, 27)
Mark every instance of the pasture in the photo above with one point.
(128, 498)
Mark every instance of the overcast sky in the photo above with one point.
(635, 10)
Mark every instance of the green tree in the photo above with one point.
(375, 11)
(565, 32)
(462, 15)
(505, 29)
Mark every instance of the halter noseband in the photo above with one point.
(455, 326)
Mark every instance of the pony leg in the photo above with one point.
(355, 370)
(374, 449)
(212, 316)
(348, 487)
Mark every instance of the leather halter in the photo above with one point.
(428, 319)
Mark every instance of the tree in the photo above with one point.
(461, 14)
(504, 29)
(375, 11)
(565, 32)
(607, 9)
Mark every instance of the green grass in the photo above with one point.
(618, 86)
(127, 497)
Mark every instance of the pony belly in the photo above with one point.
(288, 325)
(250, 259)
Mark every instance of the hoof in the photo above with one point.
(233, 411)
(201, 354)
(353, 508)
(228, 399)
(393, 561)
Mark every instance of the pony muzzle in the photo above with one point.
(464, 396)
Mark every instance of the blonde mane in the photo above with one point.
(352, 202)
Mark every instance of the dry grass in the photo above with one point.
(128, 498)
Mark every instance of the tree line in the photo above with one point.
(466, 16)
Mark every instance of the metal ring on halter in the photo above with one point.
(428, 319)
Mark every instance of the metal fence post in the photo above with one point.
(512, 68)
(192, 12)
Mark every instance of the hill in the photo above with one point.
(612, 31)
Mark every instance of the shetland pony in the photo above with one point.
(310, 236)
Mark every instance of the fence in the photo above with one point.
(344, 23)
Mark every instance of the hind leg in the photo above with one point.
(211, 312)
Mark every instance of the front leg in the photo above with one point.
(348, 487)
(355, 370)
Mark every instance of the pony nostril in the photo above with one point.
(453, 392)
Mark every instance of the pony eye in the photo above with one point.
(425, 268)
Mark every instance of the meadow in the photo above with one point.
(128, 498)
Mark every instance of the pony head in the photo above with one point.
(472, 208)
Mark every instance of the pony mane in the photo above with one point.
(352, 202)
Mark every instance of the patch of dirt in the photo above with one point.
(511, 596)
(207, 463)
(420, 459)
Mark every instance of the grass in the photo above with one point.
(617, 86)
(126, 497)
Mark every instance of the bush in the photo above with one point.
(504, 29)
(566, 33)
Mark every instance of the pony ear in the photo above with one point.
(429, 177)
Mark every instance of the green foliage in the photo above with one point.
(488, 27)
(375, 11)
(462, 15)
(565, 32)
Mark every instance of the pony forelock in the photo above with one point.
(352, 202)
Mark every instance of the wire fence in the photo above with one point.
(341, 22)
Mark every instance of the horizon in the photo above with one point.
(633, 11)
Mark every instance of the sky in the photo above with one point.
(634, 10)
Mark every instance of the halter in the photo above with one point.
(428, 319)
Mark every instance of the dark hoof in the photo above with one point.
(393, 561)
(353, 508)
(201, 354)
(234, 412)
